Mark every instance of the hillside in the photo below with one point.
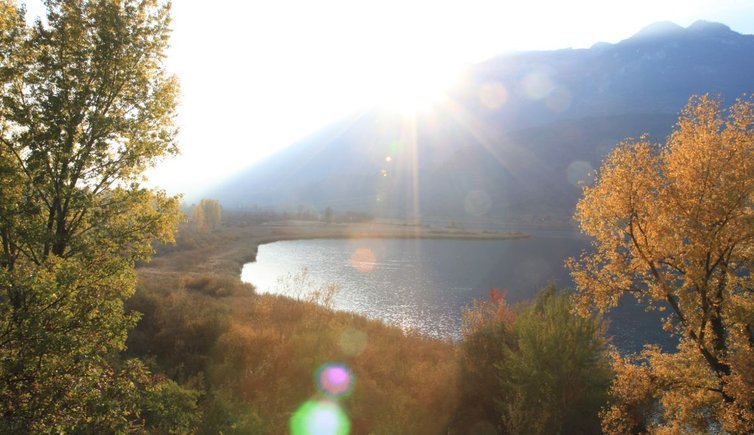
(513, 141)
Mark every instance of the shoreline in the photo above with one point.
(388, 231)
(224, 251)
(285, 233)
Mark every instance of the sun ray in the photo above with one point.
(490, 140)
(416, 85)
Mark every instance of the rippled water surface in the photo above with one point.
(425, 284)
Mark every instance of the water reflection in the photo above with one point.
(425, 284)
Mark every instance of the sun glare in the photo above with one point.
(408, 88)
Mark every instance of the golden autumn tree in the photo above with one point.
(212, 212)
(207, 214)
(197, 217)
(673, 225)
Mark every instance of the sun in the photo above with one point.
(411, 87)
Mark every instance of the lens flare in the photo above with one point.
(537, 85)
(363, 259)
(477, 203)
(394, 147)
(580, 173)
(334, 380)
(353, 342)
(320, 417)
(558, 100)
(493, 95)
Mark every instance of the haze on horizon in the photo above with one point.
(256, 76)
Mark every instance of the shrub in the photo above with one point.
(533, 368)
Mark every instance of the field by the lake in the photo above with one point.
(203, 327)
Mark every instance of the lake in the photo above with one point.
(424, 284)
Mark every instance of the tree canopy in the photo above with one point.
(85, 107)
(672, 225)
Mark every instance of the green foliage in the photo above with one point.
(179, 328)
(60, 322)
(85, 108)
(555, 378)
(231, 416)
(488, 331)
(170, 408)
(546, 369)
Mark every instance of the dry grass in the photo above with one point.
(405, 383)
(205, 328)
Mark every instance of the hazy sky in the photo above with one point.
(257, 75)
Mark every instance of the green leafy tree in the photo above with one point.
(85, 107)
(170, 408)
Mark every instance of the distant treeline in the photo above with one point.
(256, 215)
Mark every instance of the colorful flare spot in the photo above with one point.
(493, 95)
(477, 203)
(334, 380)
(320, 417)
(559, 100)
(363, 260)
(537, 85)
(353, 342)
(580, 174)
(394, 147)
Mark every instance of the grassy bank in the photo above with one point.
(255, 359)
(258, 353)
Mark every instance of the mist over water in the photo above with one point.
(425, 284)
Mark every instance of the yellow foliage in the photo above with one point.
(672, 225)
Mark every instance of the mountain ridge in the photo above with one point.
(519, 107)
